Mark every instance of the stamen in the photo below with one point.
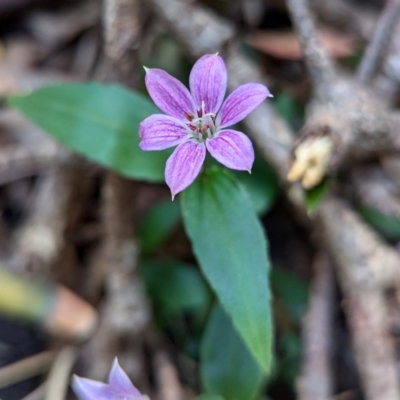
(189, 116)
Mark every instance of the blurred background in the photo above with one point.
(59, 239)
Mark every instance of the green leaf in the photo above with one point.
(158, 224)
(315, 195)
(289, 360)
(292, 290)
(288, 108)
(175, 286)
(231, 248)
(208, 396)
(261, 185)
(98, 121)
(227, 366)
(387, 225)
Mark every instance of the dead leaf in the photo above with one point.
(285, 44)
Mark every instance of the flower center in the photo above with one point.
(203, 127)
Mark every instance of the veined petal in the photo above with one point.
(240, 103)
(170, 95)
(88, 389)
(208, 80)
(184, 165)
(120, 381)
(232, 149)
(159, 132)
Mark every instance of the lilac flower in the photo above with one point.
(197, 120)
(119, 387)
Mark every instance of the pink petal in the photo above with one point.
(232, 149)
(170, 95)
(88, 389)
(241, 102)
(159, 132)
(184, 165)
(208, 81)
(119, 381)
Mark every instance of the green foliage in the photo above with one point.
(291, 290)
(290, 303)
(231, 248)
(99, 121)
(288, 108)
(388, 226)
(289, 360)
(181, 299)
(175, 286)
(208, 396)
(315, 195)
(261, 185)
(227, 366)
(158, 224)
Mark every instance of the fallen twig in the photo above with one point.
(319, 63)
(59, 376)
(167, 377)
(379, 42)
(126, 313)
(26, 368)
(315, 382)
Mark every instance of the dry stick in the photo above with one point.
(26, 368)
(41, 241)
(14, 81)
(38, 393)
(126, 312)
(352, 18)
(315, 382)
(350, 121)
(373, 188)
(364, 302)
(122, 36)
(366, 311)
(59, 376)
(356, 246)
(319, 63)
(167, 377)
(17, 162)
(379, 43)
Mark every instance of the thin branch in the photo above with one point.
(38, 393)
(126, 313)
(374, 189)
(315, 382)
(121, 34)
(355, 245)
(347, 16)
(26, 368)
(362, 260)
(380, 42)
(17, 162)
(367, 316)
(319, 64)
(199, 29)
(41, 240)
(167, 377)
(59, 376)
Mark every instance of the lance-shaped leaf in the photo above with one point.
(227, 366)
(99, 121)
(231, 248)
